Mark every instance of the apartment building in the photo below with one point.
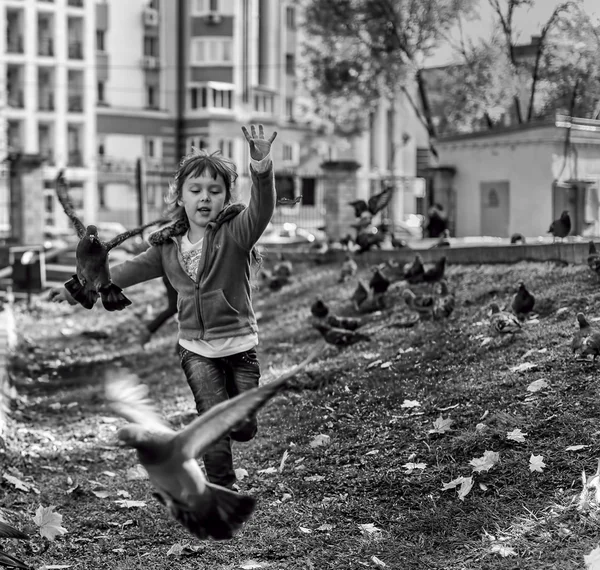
(49, 102)
(178, 74)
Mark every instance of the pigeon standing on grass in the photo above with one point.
(92, 279)
(169, 457)
(593, 258)
(561, 228)
(349, 268)
(444, 303)
(8, 560)
(319, 309)
(583, 332)
(523, 302)
(421, 304)
(503, 323)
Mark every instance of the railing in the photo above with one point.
(14, 44)
(75, 104)
(46, 47)
(75, 50)
(46, 102)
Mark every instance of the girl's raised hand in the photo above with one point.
(259, 146)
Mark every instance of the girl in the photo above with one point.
(206, 254)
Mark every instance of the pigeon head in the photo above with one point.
(91, 232)
(521, 286)
(582, 320)
(564, 215)
(442, 287)
(494, 308)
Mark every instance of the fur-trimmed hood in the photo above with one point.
(180, 227)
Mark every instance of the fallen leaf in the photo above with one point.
(485, 462)
(102, 494)
(465, 488)
(576, 447)
(124, 494)
(49, 522)
(592, 559)
(109, 473)
(537, 385)
(240, 473)
(126, 504)
(516, 435)
(503, 550)
(314, 478)
(536, 463)
(305, 530)
(18, 484)
(385, 365)
(524, 367)
(175, 550)
(283, 460)
(410, 404)
(378, 562)
(374, 363)
(325, 527)
(441, 425)
(320, 440)
(251, 565)
(369, 528)
(136, 473)
(410, 467)
(372, 452)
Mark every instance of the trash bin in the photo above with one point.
(28, 268)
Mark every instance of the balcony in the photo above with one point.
(75, 50)
(75, 158)
(75, 3)
(46, 102)
(46, 47)
(15, 99)
(14, 43)
(75, 104)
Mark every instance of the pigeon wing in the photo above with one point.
(118, 240)
(359, 206)
(219, 420)
(63, 197)
(8, 531)
(379, 201)
(129, 399)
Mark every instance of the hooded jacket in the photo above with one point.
(217, 303)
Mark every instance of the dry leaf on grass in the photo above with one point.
(466, 484)
(537, 385)
(320, 440)
(49, 522)
(576, 447)
(410, 404)
(125, 504)
(516, 435)
(240, 473)
(503, 550)
(536, 463)
(441, 425)
(485, 462)
(592, 559)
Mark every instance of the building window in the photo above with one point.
(100, 40)
(290, 64)
(195, 142)
(285, 186)
(151, 97)
(290, 152)
(226, 147)
(102, 195)
(308, 191)
(289, 108)
(263, 102)
(200, 7)
(210, 98)
(101, 92)
(211, 51)
(290, 18)
(151, 46)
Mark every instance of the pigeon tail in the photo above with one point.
(11, 562)
(85, 297)
(113, 298)
(227, 512)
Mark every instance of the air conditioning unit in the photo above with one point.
(214, 18)
(150, 62)
(150, 17)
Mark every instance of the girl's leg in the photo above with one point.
(206, 378)
(243, 373)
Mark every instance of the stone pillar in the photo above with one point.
(339, 188)
(27, 199)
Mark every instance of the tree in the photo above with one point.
(360, 51)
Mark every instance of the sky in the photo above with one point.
(528, 22)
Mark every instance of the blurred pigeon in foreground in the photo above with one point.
(169, 457)
(93, 274)
(7, 560)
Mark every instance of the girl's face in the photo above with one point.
(203, 198)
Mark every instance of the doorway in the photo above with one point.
(495, 208)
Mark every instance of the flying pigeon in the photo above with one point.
(562, 227)
(93, 274)
(374, 204)
(8, 560)
(169, 457)
(289, 201)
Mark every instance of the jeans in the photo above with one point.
(212, 381)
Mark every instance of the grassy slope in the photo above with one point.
(360, 477)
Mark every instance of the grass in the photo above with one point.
(309, 515)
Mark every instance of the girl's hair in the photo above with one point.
(197, 163)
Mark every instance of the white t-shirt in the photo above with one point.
(190, 254)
